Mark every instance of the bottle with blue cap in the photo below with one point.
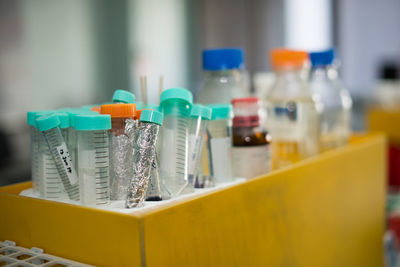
(175, 104)
(199, 117)
(92, 152)
(218, 167)
(333, 100)
(224, 76)
(143, 158)
(49, 126)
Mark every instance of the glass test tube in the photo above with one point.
(175, 104)
(199, 117)
(93, 158)
(48, 125)
(144, 155)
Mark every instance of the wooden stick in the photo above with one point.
(160, 87)
(143, 89)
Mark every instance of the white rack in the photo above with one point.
(13, 256)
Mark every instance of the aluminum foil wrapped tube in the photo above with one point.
(121, 158)
(144, 155)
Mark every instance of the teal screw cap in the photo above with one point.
(31, 116)
(221, 111)
(47, 122)
(151, 116)
(64, 118)
(152, 107)
(123, 96)
(177, 94)
(139, 105)
(92, 122)
(201, 111)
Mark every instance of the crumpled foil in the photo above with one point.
(144, 155)
(121, 158)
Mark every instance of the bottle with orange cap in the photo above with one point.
(123, 127)
(292, 118)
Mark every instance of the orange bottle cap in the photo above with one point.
(285, 58)
(119, 110)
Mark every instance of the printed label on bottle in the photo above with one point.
(221, 159)
(250, 162)
(67, 163)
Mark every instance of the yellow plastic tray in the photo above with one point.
(387, 121)
(324, 211)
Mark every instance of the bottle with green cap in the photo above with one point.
(93, 133)
(49, 126)
(219, 144)
(123, 96)
(143, 158)
(199, 117)
(176, 104)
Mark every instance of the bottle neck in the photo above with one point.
(326, 72)
(290, 74)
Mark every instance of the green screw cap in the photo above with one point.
(47, 122)
(179, 94)
(201, 111)
(151, 116)
(65, 121)
(152, 107)
(32, 115)
(92, 122)
(221, 111)
(123, 96)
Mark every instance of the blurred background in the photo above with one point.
(59, 53)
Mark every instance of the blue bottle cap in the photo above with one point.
(200, 111)
(322, 58)
(179, 94)
(47, 122)
(223, 59)
(32, 115)
(151, 116)
(221, 111)
(92, 122)
(123, 96)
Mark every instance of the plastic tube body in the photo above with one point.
(93, 167)
(34, 152)
(59, 151)
(174, 149)
(197, 130)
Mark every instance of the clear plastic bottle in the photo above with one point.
(219, 144)
(199, 117)
(175, 104)
(292, 118)
(333, 101)
(251, 151)
(92, 133)
(123, 129)
(223, 76)
(49, 126)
